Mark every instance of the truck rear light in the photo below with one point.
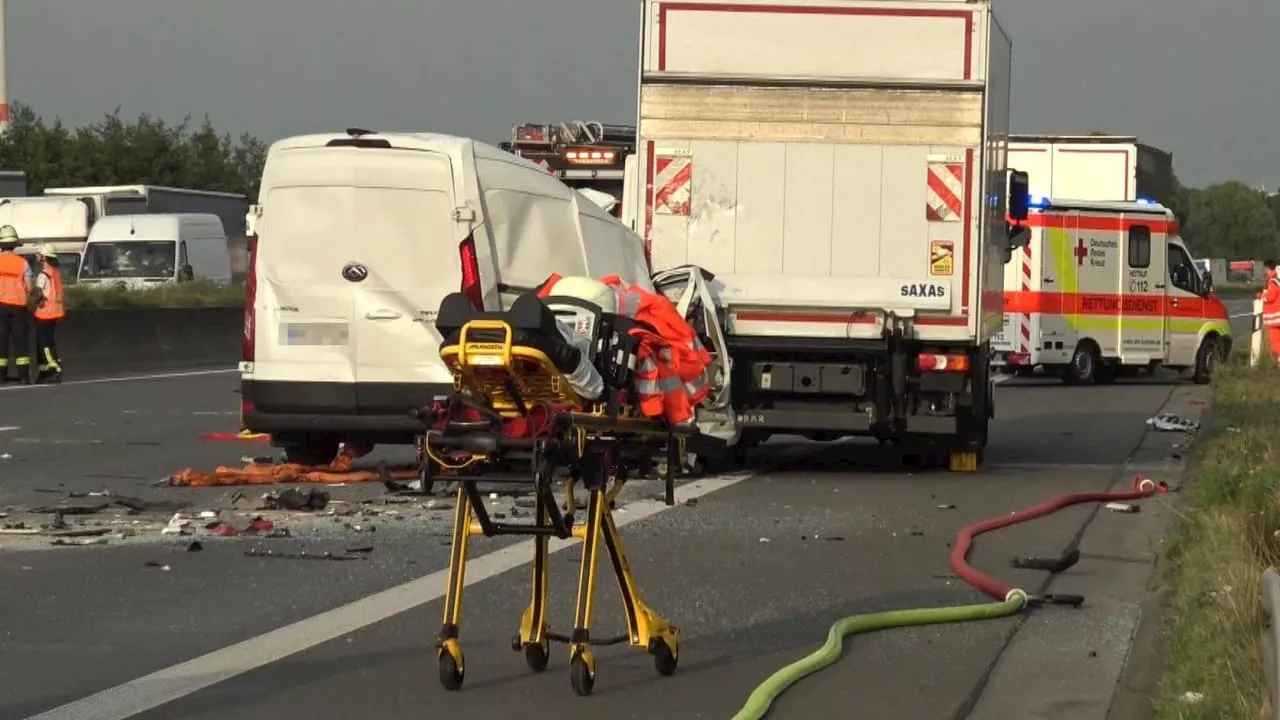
(1017, 358)
(931, 362)
(249, 346)
(471, 273)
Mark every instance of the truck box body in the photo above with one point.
(827, 161)
(1093, 167)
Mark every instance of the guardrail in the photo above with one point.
(102, 342)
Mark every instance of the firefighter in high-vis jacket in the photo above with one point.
(1270, 297)
(50, 309)
(16, 284)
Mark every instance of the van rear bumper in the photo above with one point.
(371, 412)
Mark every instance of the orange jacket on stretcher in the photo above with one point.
(671, 371)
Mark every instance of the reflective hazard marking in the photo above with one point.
(671, 185)
(946, 188)
(546, 166)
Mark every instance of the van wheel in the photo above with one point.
(1207, 358)
(1083, 368)
(311, 451)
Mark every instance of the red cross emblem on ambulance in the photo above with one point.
(1081, 252)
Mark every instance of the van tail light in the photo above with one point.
(250, 299)
(931, 362)
(471, 273)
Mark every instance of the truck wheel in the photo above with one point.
(1206, 361)
(1083, 368)
(311, 451)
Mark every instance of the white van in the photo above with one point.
(142, 250)
(359, 238)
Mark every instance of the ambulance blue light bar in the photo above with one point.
(1038, 202)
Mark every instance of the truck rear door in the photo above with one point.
(817, 200)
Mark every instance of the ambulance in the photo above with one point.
(1105, 289)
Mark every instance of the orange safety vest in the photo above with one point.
(53, 307)
(1271, 301)
(672, 364)
(13, 283)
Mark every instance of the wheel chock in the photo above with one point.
(966, 461)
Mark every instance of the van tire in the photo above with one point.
(1084, 365)
(311, 451)
(1207, 358)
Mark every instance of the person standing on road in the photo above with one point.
(51, 308)
(16, 283)
(1270, 297)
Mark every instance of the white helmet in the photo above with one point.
(9, 236)
(585, 288)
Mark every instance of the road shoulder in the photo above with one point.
(1070, 664)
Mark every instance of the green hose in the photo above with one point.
(761, 699)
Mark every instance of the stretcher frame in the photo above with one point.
(593, 442)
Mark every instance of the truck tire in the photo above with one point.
(1207, 358)
(311, 451)
(1083, 368)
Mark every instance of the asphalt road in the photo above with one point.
(753, 573)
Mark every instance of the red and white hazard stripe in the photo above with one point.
(944, 200)
(542, 163)
(673, 178)
(1024, 320)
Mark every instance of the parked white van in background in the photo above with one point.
(359, 237)
(62, 222)
(142, 250)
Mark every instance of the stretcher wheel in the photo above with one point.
(664, 661)
(537, 655)
(584, 681)
(450, 673)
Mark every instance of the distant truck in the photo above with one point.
(230, 208)
(583, 155)
(1106, 168)
(63, 222)
(13, 183)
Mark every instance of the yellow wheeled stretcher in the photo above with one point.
(514, 408)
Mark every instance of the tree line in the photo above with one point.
(1228, 220)
(143, 151)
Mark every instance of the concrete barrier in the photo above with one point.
(139, 340)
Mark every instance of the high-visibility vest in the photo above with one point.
(1271, 302)
(13, 282)
(54, 306)
(672, 363)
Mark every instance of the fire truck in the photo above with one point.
(587, 156)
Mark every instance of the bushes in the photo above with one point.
(200, 293)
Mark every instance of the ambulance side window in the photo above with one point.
(1139, 247)
(1182, 272)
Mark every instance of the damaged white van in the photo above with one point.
(360, 235)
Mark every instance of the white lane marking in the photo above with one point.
(164, 686)
(123, 379)
(9, 428)
(999, 379)
(1100, 467)
(1242, 315)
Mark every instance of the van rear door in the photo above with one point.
(408, 241)
(357, 247)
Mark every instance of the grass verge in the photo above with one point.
(1213, 667)
(199, 293)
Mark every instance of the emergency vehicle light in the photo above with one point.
(531, 133)
(585, 156)
(1144, 201)
(1039, 202)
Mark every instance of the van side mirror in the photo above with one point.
(1208, 283)
(186, 274)
(1019, 195)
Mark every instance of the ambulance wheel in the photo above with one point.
(1206, 361)
(1083, 368)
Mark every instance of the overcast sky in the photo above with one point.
(1198, 78)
